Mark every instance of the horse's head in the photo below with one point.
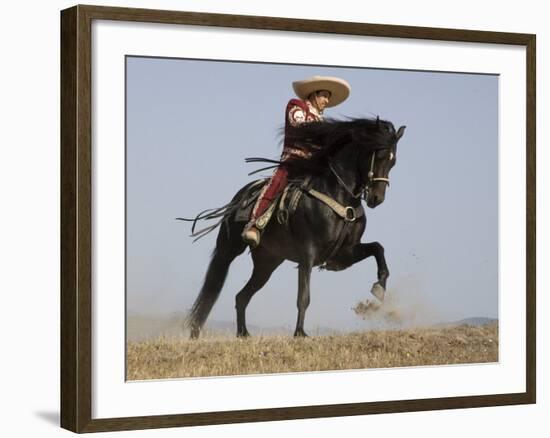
(360, 152)
(378, 154)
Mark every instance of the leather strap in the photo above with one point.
(349, 214)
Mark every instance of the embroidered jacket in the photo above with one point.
(298, 112)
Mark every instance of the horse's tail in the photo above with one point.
(226, 250)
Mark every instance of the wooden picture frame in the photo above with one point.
(76, 218)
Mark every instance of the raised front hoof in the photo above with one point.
(378, 291)
(300, 333)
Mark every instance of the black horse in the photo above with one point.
(351, 160)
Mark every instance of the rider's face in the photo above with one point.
(322, 99)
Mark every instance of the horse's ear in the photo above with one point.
(400, 132)
(377, 121)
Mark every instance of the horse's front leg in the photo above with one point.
(304, 276)
(352, 254)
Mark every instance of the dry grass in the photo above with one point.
(222, 356)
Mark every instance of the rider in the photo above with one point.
(315, 94)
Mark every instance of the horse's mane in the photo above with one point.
(324, 139)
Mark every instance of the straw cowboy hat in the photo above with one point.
(339, 89)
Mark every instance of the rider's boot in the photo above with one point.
(277, 182)
(251, 234)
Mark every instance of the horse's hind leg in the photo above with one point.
(353, 254)
(264, 265)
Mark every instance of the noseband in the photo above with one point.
(371, 179)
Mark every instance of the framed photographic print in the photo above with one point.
(303, 218)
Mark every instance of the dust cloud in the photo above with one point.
(405, 306)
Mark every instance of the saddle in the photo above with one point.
(284, 205)
(287, 201)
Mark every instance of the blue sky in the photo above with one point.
(191, 123)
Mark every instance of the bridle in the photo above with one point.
(370, 175)
(364, 189)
